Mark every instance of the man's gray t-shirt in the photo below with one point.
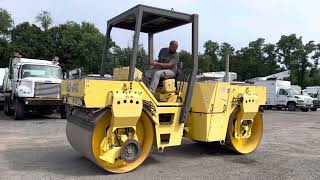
(166, 56)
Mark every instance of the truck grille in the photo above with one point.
(47, 90)
(316, 102)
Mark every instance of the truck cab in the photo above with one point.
(284, 98)
(280, 95)
(33, 85)
(302, 101)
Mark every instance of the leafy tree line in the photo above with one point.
(260, 59)
(81, 45)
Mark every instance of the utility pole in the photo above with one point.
(226, 76)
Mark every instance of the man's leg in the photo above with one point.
(166, 73)
(148, 74)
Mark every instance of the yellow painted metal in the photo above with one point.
(212, 105)
(122, 74)
(169, 85)
(247, 142)
(173, 127)
(126, 109)
(167, 92)
(145, 136)
(97, 93)
(111, 155)
(73, 88)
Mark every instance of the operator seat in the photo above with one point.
(177, 77)
(167, 87)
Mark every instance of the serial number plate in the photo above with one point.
(75, 101)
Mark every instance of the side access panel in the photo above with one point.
(169, 131)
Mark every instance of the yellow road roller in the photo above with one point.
(115, 122)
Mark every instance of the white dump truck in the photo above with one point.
(2, 74)
(33, 85)
(280, 95)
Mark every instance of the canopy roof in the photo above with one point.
(154, 20)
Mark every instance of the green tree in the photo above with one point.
(271, 62)
(91, 46)
(295, 56)
(4, 53)
(290, 50)
(44, 19)
(6, 22)
(77, 45)
(304, 62)
(223, 49)
(209, 61)
(30, 41)
(186, 58)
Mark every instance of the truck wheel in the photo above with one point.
(63, 112)
(292, 106)
(268, 107)
(7, 110)
(5, 107)
(313, 109)
(19, 110)
(304, 109)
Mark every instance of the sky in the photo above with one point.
(234, 21)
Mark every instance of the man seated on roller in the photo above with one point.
(165, 67)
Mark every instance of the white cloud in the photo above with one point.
(233, 21)
(271, 19)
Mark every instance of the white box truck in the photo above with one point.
(279, 95)
(33, 85)
(314, 92)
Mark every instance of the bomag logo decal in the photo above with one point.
(73, 88)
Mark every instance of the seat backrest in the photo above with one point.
(169, 85)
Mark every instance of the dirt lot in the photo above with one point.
(38, 149)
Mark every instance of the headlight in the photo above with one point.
(300, 101)
(23, 91)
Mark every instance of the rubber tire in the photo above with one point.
(63, 112)
(7, 110)
(313, 109)
(268, 107)
(291, 106)
(304, 109)
(19, 110)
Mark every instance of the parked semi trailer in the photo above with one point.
(32, 85)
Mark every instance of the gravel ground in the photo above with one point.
(37, 148)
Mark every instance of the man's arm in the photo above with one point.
(168, 65)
